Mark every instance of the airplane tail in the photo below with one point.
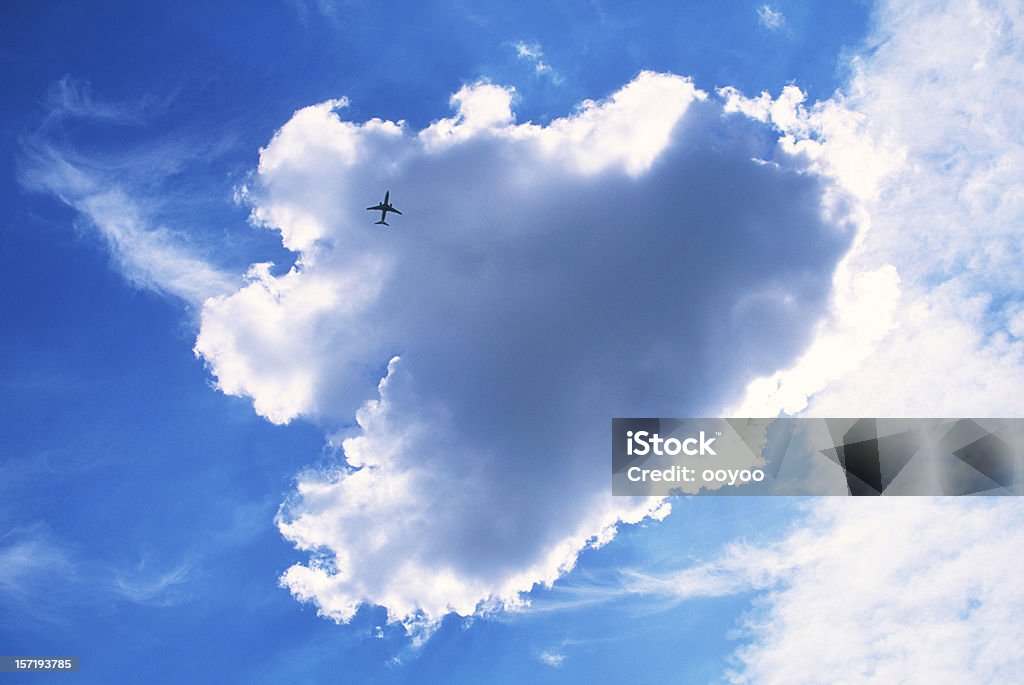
(382, 222)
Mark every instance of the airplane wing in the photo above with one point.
(394, 210)
(378, 207)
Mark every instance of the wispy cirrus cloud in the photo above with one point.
(150, 255)
(534, 54)
(104, 188)
(29, 560)
(42, 574)
(71, 98)
(160, 586)
(553, 659)
(771, 18)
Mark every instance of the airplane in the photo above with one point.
(384, 208)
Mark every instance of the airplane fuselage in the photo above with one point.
(384, 207)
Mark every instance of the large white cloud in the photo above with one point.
(638, 257)
(911, 591)
(884, 590)
(925, 313)
(925, 321)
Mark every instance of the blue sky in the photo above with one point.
(177, 493)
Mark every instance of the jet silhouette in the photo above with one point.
(384, 208)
